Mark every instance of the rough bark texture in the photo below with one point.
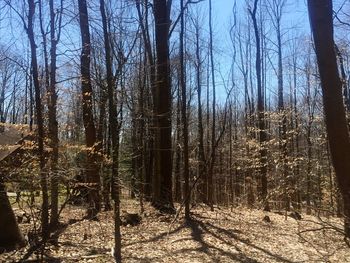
(320, 13)
(162, 183)
(53, 125)
(11, 237)
(92, 175)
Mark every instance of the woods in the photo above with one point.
(130, 112)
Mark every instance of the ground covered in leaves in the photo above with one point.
(225, 235)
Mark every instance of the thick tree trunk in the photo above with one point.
(11, 237)
(88, 118)
(320, 13)
(162, 183)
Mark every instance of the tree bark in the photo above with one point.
(320, 13)
(88, 118)
(40, 122)
(162, 183)
(52, 107)
(11, 237)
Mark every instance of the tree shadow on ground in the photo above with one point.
(226, 236)
(158, 237)
(199, 229)
(203, 231)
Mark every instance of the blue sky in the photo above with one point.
(296, 15)
(222, 13)
(295, 18)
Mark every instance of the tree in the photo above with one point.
(88, 118)
(202, 172)
(162, 180)
(213, 128)
(55, 33)
(276, 10)
(50, 85)
(40, 121)
(113, 122)
(321, 20)
(261, 108)
(186, 175)
(149, 164)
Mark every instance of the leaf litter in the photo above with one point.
(225, 235)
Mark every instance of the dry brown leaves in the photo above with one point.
(225, 235)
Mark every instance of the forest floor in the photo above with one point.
(225, 235)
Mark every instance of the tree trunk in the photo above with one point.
(52, 107)
(201, 154)
(213, 128)
(162, 183)
(261, 109)
(149, 169)
(320, 13)
(40, 122)
(11, 237)
(186, 173)
(177, 162)
(114, 135)
(92, 174)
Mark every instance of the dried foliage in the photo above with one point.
(236, 235)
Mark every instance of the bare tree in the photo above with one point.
(143, 20)
(276, 9)
(55, 33)
(261, 108)
(162, 183)
(88, 118)
(213, 127)
(40, 121)
(113, 122)
(202, 171)
(186, 174)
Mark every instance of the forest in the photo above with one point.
(174, 131)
